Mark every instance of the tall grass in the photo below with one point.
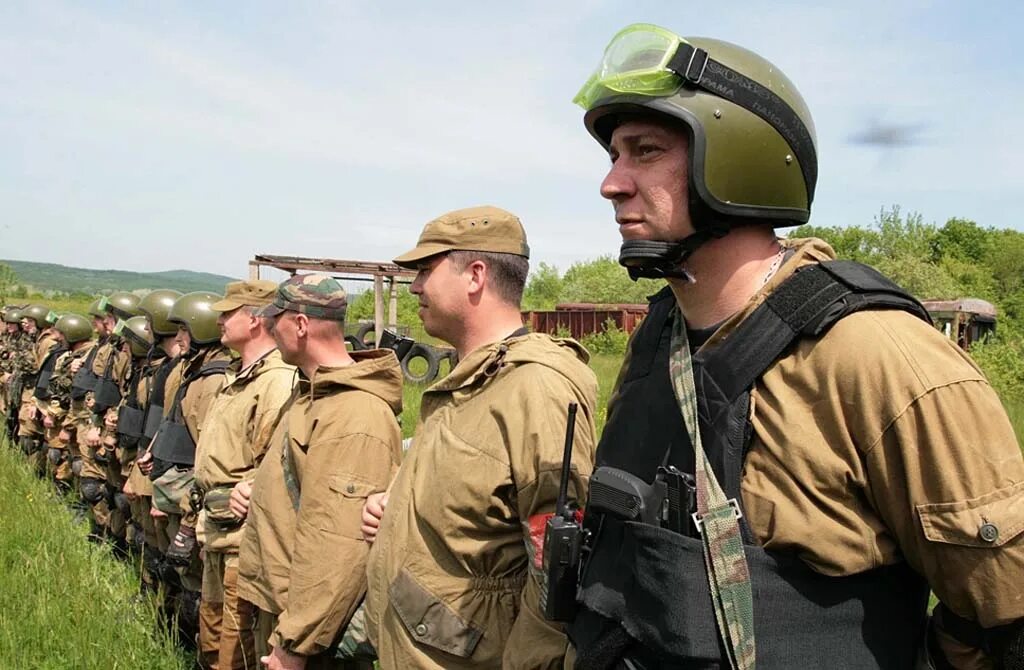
(66, 603)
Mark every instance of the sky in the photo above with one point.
(154, 136)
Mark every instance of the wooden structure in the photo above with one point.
(584, 318)
(964, 321)
(377, 272)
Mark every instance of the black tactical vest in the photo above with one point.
(42, 390)
(644, 596)
(85, 379)
(175, 445)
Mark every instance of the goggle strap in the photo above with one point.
(696, 68)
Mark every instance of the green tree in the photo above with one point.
(543, 288)
(8, 282)
(963, 239)
(603, 280)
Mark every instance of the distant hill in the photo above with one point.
(44, 277)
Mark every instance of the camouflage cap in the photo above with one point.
(253, 293)
(483, 228)
(315, 295)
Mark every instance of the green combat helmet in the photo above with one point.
(157, 305)
(74, 327)
(752, 148)
(96, 308)
(121, 304)
(13, 315)
(193, 311)
(135, 331)
(37, 313)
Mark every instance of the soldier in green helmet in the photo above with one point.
(171, 457)
(159, 377)
(793, 455)
(75, 332)
(29, 362)
(15, 340)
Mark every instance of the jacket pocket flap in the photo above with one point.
(429, 620)
(352, 486)
(989, 521)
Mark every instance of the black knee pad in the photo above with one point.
(122, 503)
(30, 445)
(93, 490)
(55, 456)
(76, 466)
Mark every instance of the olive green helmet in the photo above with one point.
(752, 148)
(13, 315)
(121, 304)
(193, 310)
(74, 327)
(37, 313)
(96, 308)
(136, 332)
(157, 305)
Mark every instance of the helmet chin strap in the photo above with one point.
(655, 259)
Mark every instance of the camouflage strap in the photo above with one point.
(291, 479)
(717, 519)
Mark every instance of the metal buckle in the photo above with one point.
(701, 66)
(698, 523)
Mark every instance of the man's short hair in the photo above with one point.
(507, 272)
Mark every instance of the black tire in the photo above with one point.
(364, 330)
(430, 355)
(355, 343)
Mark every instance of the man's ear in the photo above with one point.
(301, 324)
(477, 271)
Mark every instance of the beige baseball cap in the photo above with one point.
(253, 293)
(484, 228)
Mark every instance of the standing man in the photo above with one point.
(302, 560)
(455, 568)
(234, 439)
(847, 456)
(44, 339)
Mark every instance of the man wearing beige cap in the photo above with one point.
(455, 568)
(233, 441)
(302, 560)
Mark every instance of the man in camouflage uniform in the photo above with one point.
(57, 410)
(95, 431)
(44, 339)
(156, 373)
(171, 457)
(15, 343)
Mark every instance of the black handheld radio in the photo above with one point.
(563, 537)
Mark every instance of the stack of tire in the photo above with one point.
(407, 350)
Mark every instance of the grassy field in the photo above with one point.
(65, 602)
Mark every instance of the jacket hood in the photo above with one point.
(376, 371)
(565, 357)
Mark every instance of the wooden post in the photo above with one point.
(392, 305)
(254, 270)
(378, 307)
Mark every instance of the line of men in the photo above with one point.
(793, 455)
(248, 439)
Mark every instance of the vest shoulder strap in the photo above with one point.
(807, 304)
